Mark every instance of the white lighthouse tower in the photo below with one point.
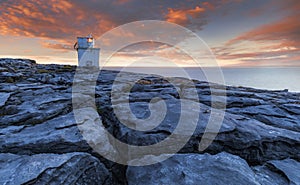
(88, 56)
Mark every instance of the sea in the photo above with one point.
(269, 78)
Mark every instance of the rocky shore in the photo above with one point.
(40, 142)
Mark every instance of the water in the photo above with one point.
(265, 78)
(261, 78)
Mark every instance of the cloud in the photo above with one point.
(185, 17)
(276, 56)
(57, 23)
(63, 21)
(55, 45)
(276, 41)
(286, 31)
(53, 19)
(245, 56)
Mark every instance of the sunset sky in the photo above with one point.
(240, 33)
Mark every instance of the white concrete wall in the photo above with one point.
(88, 57)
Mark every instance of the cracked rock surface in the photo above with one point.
(41, 141)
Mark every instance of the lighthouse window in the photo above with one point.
(90, 39)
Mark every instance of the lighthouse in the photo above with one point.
(88, 56)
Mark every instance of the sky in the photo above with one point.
(239, 33)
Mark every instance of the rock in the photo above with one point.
(257, 142)
(278, 172)
(259, 133)
(222, 168)
(271, 115)
(290, 168)
(165, 126)
(70, 168)
(250, 139)
(293, 108)
(10, 77)
(2, 69)
(58, 135)
(35, 104)
(3, 98)
(18, 64)
(264, 175)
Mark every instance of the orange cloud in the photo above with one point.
(286, 30)
(59, 46)
(63, 21)
(52, 19)
(277, 41)
(57, 23)
(182, 17)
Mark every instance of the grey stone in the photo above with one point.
(58, 135)
(260, 128)
(290, 168)
(294, 108)
(70, 168)
(195, 169)
(3, 98)
(264, 175)
(252, 140)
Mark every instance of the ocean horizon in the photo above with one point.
(269, 78)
